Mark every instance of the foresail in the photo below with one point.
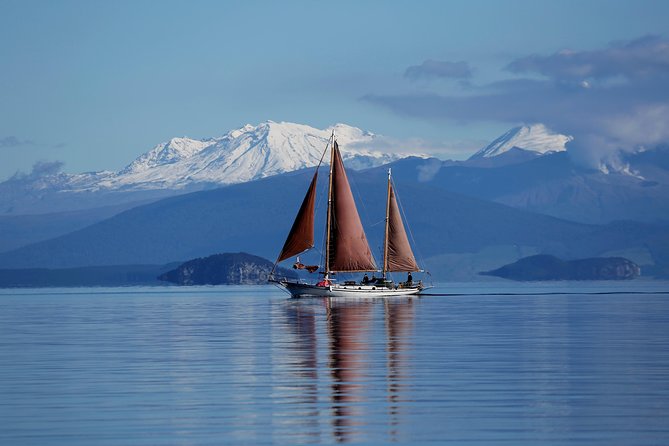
(399, 254)
(301, 235)
(349, 250)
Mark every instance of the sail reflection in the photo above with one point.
(302, 362)
(399, 316)
(347, 326)
(302, 322)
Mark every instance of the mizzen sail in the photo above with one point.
(348, 248)
(399, 256)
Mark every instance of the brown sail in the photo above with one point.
(348, 247)
(301, 235)
(399, 256)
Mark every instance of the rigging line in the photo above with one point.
(319, 198)
(326, 150)
(318, 251)
(358, 195)
(327, 144)
(323, 198)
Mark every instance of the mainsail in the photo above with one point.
(348, 249)
(398, 255)
(301, 235)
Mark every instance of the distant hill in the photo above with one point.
(21, 230)
(546, 267)
(224, 269)
(457, 235)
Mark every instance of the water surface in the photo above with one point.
(488, 363)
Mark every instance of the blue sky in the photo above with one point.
(93, 84)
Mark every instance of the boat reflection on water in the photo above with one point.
(302, 323)
(348, 330)
(347, 327)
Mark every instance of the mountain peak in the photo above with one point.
(535, 138)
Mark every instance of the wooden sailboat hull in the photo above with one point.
(336, 290)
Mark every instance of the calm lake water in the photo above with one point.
(552, 364)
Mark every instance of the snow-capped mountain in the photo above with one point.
(186, 164)
(535, 138)
(244, 154)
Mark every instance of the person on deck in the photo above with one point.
(365, 280)
(409, 279)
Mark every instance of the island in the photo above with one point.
(548, 267)
(224, 269)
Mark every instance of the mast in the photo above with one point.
(385, 237)
(328, 229)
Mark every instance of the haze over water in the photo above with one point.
(545, 363)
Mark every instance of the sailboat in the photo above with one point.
(346, 246)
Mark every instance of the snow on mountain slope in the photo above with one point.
(170, 152)
(536, 138)
(244, 154)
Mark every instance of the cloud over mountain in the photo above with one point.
(611, 99)
(39, 170)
